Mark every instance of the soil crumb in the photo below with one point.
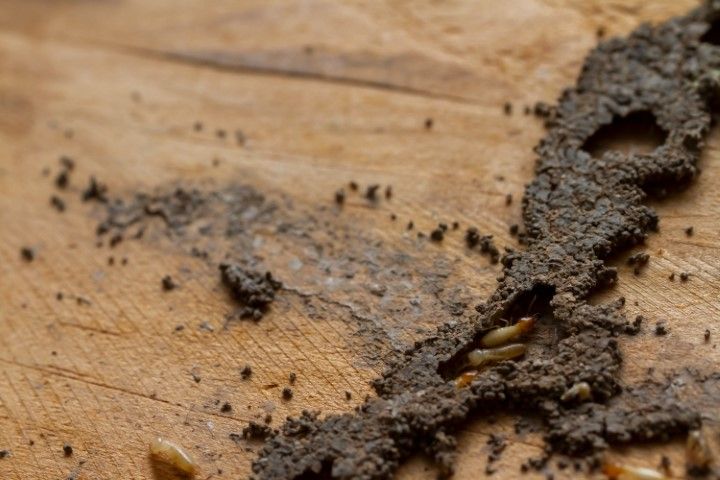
(256, 431)
(254, 290)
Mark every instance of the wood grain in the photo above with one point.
(325, 92)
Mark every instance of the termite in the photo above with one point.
(480, 357)
(503, 335)
(624, 472)
(697, 452)
(172, 454)
(580, 391)
(465, 378)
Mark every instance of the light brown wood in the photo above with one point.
(326, 92)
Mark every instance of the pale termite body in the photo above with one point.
(173, 455)
(502, 335)
(480, 356)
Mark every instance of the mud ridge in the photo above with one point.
(577, 211)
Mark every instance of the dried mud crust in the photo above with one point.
(330, 266)
(577, 212)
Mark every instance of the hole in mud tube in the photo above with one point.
(637, 132)
(535, 303)
(712, 36)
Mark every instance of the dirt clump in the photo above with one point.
(254, 290)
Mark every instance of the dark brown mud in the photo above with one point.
(579, 210)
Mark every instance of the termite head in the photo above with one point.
(465, 378)
(612, 470)
(525, 324)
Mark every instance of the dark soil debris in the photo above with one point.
(660, 329)
(371, 192)
(168, 283)
(256, 431)
(27, 254)
(95, 191)
(254, 290)
(437, 235)
(57, 203)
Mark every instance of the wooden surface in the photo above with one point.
(325, 92)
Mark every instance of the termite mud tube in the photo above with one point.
(577, 211)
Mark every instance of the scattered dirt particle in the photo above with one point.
(292, 377)
(665, 464)
(348, 395)
(684, 276)
(410, 225)
(62, 179)
(353, 186)
(497, 445)
(67, 449)
(689, 231)
(115, 240)
(437, 235)
(428, 123)
(226, 407)
(507, 108)
(340, 197)
(57, 203)
(220, 133)
(256, 431)
(198, 126)
(660, 328)
(472, 237)
(287, 393)
(246, 372)
(95, 191)
(707, 335)
(388, 192)
(4, 454)
(371, 192)
(168, 283)
(508, 199)
(27, 254)
(639, 260)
